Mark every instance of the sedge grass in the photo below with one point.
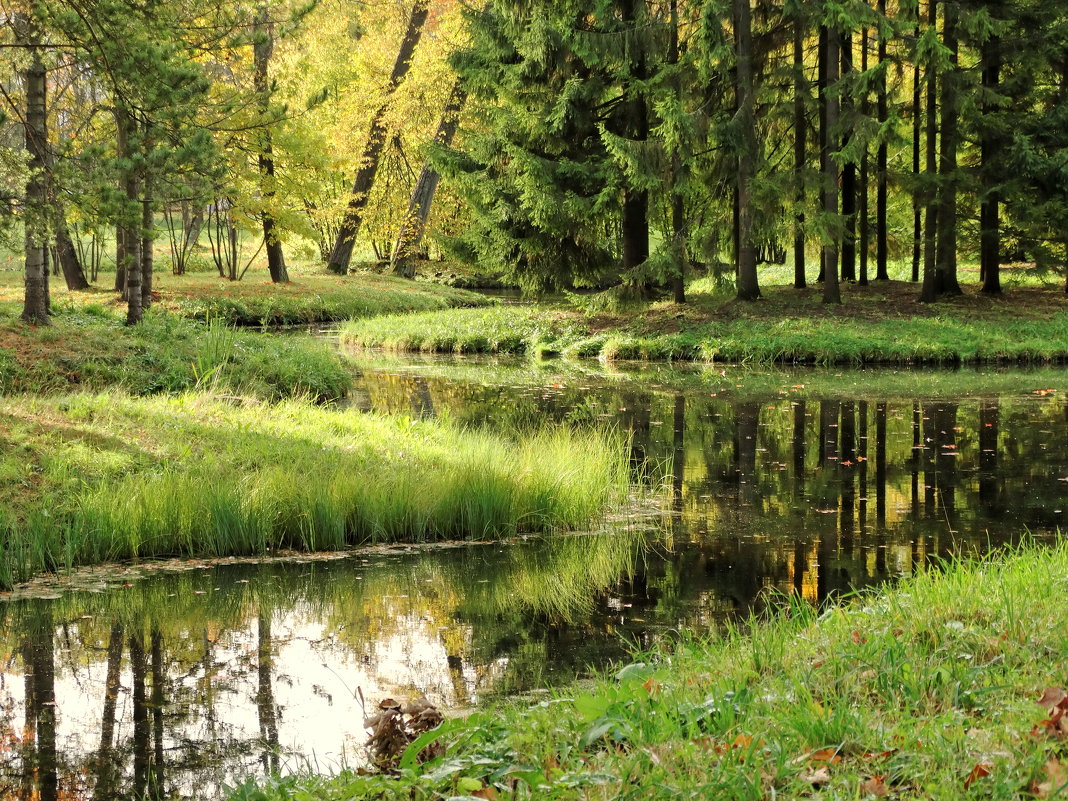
(926, 690)
(109, 477)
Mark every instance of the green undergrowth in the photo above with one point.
(926, 690)
(313, 299)
(90, 348)
(95, 478)
(941, 340)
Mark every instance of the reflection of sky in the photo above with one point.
(315, 678)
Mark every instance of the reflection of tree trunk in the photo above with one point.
(880, 464)
(747, 421)
(29, 732)
(947, 460)
(105, 763)
(916, 457)
(265, 704)
(829, 431)
(678, 453)
(846, 524)
(989, 490)
(849, 432)
(862, 467)
(157, 789)
(141, 735)
(799, 450)
(41, 704)
(422, 401)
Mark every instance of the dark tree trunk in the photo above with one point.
(67, 254)
(262, 50)
(849, 171)
(821, 94)
(35, 307)
(105, 763)
(917, 227)
(413, 226)
(156, 785)
(130, 217)
(930, 290)
(341, 255)
(139, 701)
(678, 205)
(989, 216)
(831, 291)
(946, 253)
(862, 189)
(748, 287)
(800, 147)
(148, 242)
(265, 701)
(881, 163)
(635, 214)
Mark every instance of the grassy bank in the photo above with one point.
(310, 297)
(91, 349)
(94, 478)
(881, 324)
(926, 690)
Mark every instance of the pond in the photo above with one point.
(175, 680)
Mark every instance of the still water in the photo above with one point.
(177, 681)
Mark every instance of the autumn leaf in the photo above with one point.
(1056, 781)
(980, 771)
(816, 777)
(876, 786)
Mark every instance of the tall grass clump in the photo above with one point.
(950, 685)
(127, 478)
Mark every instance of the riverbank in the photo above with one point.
(948, 685)
(881, 324)
(90, 349)
(310, 297)
(99, 478)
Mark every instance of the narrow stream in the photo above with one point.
(178, 680)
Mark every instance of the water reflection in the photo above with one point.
(151, 686)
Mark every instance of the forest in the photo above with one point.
(628, 146)
(423, 400)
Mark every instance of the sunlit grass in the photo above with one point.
(924, 690)
(108, 477)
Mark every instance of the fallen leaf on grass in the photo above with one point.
(1055, 701)
(980, 771)
(486, 792)
(876, 786)
(816, 777)
(1056, 781)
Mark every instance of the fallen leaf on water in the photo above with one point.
(980, 771)
(876, 786)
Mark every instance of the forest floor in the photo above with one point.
(312, 296)
(948, 685)
(879, 324)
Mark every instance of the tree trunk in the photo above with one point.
(917, 227)
(989, 218)
(341, 255)
(261, 55)
(862, 189)
(881, 164)
(678, 204)
(930, 290)
(800, 132)
(413, 226)
(129, 218)
(635, 216)
(748, 287)
(831, 290)
(821, 94)
(148, 242)
(67, 254)
(946, 253)
(36, 301)
(849, 171)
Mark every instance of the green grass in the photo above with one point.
(88, 347)
(788, 329)
(94, 478)
(310, 297)
(926, 690)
